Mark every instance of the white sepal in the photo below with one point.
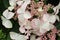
(17, 36)
(11, 8)
(20, 3)
(7, 14)
(6, 23)
(23, 7)
(12, 2)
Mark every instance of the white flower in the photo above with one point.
(7, 14)
(6, 23)
(16, 36)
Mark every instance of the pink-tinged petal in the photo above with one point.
(28, 25)
(35, 23)
(52, 19)
(46, 26)
(23, 7)
(21, 19)
(49, 18)
(45, 17)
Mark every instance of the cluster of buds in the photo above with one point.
(33, 18)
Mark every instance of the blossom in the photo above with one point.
(32, 18)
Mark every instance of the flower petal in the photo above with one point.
(20, 3)
(10, 8)
(33, 37)
(52, 19)
(27, 15)
(23, 7)
(46, 26)
(40, 9)
(22, 29)
(21, 19)
(36, 23)
(6, 23)
(17, 36)
(12, 2)
(45, 17)
(7, 14)
(57, 17)
(49, 18)
(28, 25)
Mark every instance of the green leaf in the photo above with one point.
(36, 1)
(57, 24)
(57, 37)
(8, 37)
(50, 10)
(0, 13)
(45, 1)
(6, 3)
(2, 35)
(15, 25)
(2, 7)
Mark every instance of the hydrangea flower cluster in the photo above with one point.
(33, 18)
